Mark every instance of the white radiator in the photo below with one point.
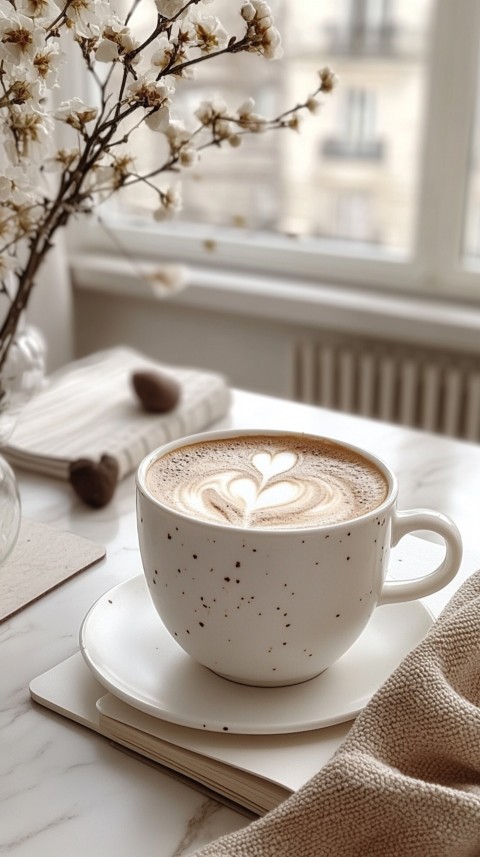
(416, 387)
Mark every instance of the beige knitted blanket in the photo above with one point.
(406, 781)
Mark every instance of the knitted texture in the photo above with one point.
(406, 780)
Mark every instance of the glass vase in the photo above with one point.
(21, 376)
(10, 509)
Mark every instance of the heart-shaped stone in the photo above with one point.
(94, 481)
(157, 391)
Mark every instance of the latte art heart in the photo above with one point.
(270, 464)
(268, 496)
(239, 500)
(267, 482)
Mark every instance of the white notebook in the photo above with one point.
(252, 771)
(89, 409)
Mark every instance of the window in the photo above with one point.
(364, 27)
(382, 188)
(356, 137)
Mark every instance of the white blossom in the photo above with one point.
(328, 79)
(246, 107)
(188, 155)
(171, 203)
(209, 33)
(150, 92)
(262, 9)
(181, 144)
(264, 37)
(46, 10)
(177, 134)
(87, 17)
(17, 184)
(20, 37)
(171, 8)
(75, 113)
(247, 12)
(272, 44)
(24, 90)
(207, 111)
(158, 120)
(295, 121)
(63, 159)
(163, 55)
(30, 130)
(107, 176)
(167, 280)
(107, 51)
(46, 64)
(248, 119)
(173, 50)
(116, 41)
(312, 104)
(223, 129)
(174, 8)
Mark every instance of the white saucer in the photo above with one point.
(131, 653)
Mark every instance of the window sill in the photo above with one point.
(329, 307)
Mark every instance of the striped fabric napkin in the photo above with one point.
(89, 409)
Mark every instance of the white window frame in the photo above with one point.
(435, 269)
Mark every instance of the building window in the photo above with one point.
(364, 27)
(356, 137)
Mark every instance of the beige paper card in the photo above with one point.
(42, 558)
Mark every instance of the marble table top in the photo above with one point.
(66, 791)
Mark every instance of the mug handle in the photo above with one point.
(424, 519)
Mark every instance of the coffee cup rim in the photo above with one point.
(221, 434)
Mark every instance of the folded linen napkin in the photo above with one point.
(89, 410)
(406, 780)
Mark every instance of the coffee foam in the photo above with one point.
(267, 482)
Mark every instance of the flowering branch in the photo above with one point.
(136, 85)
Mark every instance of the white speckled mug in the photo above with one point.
(257, 566)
